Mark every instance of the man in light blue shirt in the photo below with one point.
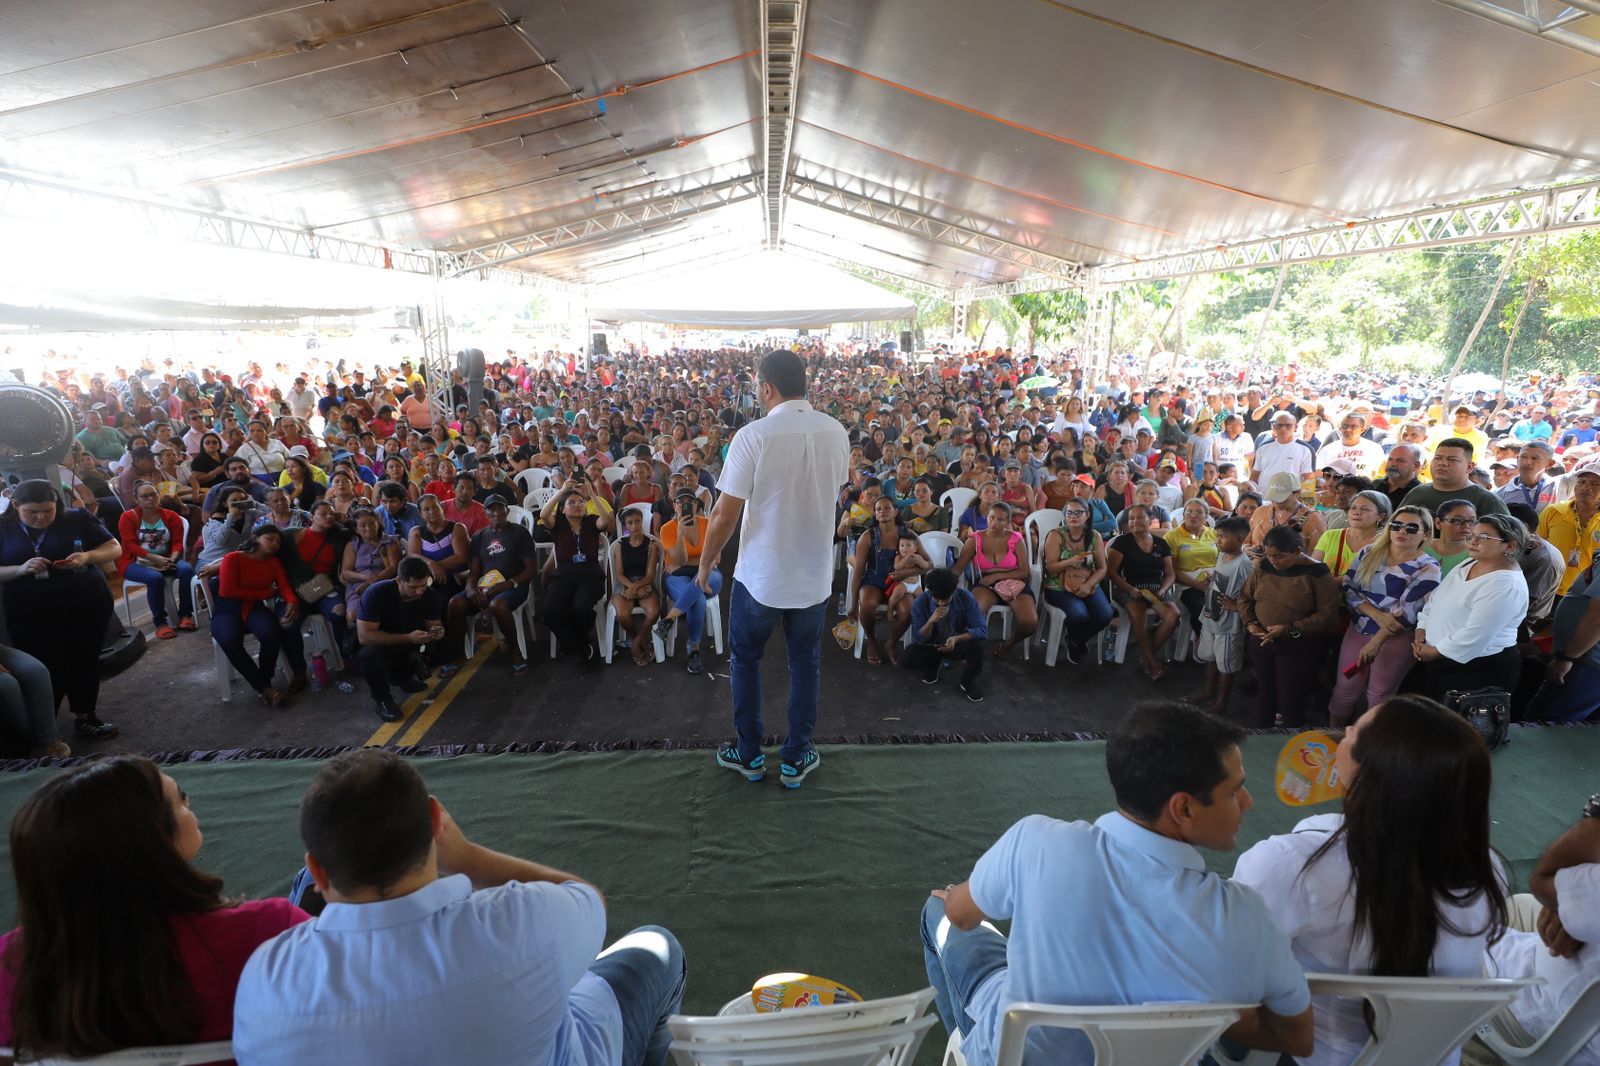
(1123, 911)
(433, 949)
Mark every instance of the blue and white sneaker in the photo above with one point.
(755, 769)
(792, 773)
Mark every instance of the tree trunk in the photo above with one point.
(1261, 330)
(1483, 316)
(1516, 328)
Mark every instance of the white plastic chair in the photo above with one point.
(1151, 1034)
(880, 1032)
(173, 1055)
(522, 619)
(646, 512)
(599, 608)
(939, 546)
(1572, 1031)
(614, 474)
(537, 498)
(522, 517)
(532, 479)
(222, 668)
(167, 588)
(1417, 1019)
(956, 501)
(1121, 629)
(608, 642)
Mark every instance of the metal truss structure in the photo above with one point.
(595, 228)
(782, 27)
(1528, 17)
(963, 236)
(438, 361)
(1028, 283)
(1518, 214)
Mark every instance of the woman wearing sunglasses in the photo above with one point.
(1385, 589)
(1466, 634)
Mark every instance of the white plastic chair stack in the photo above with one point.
(1417, 1019)
(1571, 1033)
(174, 1055)
(880, 1032)
(1154, 1034)
(168, 589)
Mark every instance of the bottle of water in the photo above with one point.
(319, 672)
(77, 546)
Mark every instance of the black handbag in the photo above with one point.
(1488, 710)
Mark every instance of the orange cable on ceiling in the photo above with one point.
(1060, 139)
(422, 138)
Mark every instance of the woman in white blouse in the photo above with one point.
(1366, 892)
(1466, 635)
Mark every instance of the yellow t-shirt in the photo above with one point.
(1576, 541)
(1337, 551)
(1480, 443)
(1192, 554)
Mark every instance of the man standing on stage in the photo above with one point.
(781, 476)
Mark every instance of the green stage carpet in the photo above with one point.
(754, 879)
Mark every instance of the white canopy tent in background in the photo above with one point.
(768, 289)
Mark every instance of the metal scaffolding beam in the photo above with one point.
(782, 29)
(964, 236)
(1026, 284)
(1566, 207)
(876, 275)
(1526, 18)
(592, 228)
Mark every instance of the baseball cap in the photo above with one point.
(1590, 467)
(1342, 467)
(1085, 479)
(1012, 464)
(1281, 486)
(299, 451)
(496, 500)
(1503, 464)
(1167, 464)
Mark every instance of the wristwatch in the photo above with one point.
(1592, 808)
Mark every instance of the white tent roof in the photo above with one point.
(767, 289)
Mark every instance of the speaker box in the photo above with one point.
(598, 347)
(905, 340)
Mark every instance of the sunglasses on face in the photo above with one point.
(1405, 527)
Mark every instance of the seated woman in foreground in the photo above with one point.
(158, 967)
(1366, 892)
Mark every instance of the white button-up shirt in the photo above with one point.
(788, 468)
(1467, 620)
(442, 975)
(1315, 905)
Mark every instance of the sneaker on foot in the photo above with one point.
(695, 666)
(792, 773)
(411, 684)
(387, 709)
(663, 628)
(931, 675)
(593, 661)
(754, 768)
(974, 693)
(94, 727)
(1075, 652)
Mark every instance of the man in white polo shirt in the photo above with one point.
(781, 476)
(1281, 454)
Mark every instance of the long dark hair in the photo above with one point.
(1416, 830)
(98, 878)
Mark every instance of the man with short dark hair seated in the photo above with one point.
(396, 620)
(1121, 911)
(947, 623)
(433, 949)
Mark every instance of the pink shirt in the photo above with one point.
(213, 946)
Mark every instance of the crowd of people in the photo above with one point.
(1337, 526)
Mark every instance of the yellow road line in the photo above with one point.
(426, 719)
(387, 730)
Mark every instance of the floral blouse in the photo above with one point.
(1399, 590)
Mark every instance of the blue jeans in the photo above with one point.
(1085, 616)
(330, 607)
(228, 629)
(647, 974)
(750, 623)
(1575, 699)
(957, 962)
(155, 581)
(687, 597)
(27, 700)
